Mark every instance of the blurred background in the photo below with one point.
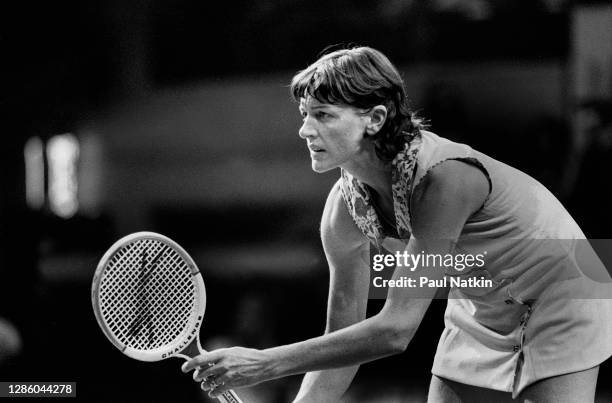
(175, 117)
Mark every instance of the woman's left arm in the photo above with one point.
(441, 205)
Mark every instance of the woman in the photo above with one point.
(408, 190)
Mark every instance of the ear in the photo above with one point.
(378, 117)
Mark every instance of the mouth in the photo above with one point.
(315, 149)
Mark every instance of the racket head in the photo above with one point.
(149, 297)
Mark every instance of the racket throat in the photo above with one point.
(192, 349)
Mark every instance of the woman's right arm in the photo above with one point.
(347, 252)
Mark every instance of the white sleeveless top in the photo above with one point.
(550, 310)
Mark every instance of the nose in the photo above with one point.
(307, 131)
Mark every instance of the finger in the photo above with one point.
(201, 360)
(224, 379)
(223, 384)
(213, 371)
(197, 374)
(209, 383)
(198, 361)
(198, 371)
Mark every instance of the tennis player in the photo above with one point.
(531, 336)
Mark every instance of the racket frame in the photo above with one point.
(187, 344)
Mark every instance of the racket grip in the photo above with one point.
(229, 397)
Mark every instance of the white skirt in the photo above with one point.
(501, 343)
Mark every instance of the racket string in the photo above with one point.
(147, 313)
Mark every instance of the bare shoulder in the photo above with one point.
(338, 230)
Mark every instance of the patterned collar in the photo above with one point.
(359, 201)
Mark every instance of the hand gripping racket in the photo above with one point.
(149, 299)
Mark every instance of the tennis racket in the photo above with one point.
(149, 298)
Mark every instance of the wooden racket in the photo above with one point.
(149, 298)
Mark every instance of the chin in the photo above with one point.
(321, 168)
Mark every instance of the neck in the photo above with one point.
(372, 171)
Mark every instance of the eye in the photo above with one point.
(322, 115)
(303, 114)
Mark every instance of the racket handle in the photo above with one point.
(229, 397)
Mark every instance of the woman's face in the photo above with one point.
(335, 133)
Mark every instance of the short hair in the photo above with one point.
(362, 77)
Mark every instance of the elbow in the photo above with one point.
(396, 338)
(398, 343)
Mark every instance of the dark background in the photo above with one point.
(185, 126)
